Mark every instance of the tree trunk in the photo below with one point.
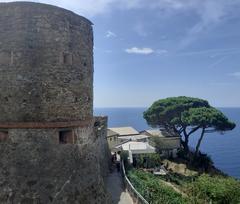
(185, 146)
(199, 142)
(185, 142)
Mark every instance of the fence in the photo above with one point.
(136, 196)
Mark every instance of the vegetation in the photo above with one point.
(184, 116)
(154, 190)
(158, 143)
(178, 179)
(195, 190)
(147, 161)
(217, 189)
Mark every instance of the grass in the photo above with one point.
(214, 189)
(201, 189)
(153, 189)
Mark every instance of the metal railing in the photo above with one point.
(136, 196)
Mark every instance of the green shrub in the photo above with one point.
(181, 154)
(148, 161)
(202, 161)
(153, 189)
(217, 189)
(178, 179)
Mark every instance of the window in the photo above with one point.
(66, 137)
(3, 136)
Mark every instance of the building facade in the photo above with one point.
(168, 144)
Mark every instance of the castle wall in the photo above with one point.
(46, 64)
(35, 168)
(102, 151)
(51, 149)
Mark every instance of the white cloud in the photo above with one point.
(110, 34)
(211, 13)
(87, 8)
(143, 51)
(208, 10)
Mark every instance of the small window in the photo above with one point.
(66, 137)
(3, 136)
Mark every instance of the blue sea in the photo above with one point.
(224, 149)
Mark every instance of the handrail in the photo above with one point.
(138, 198)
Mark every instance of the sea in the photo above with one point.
(224, 149)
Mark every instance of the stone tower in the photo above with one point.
(48, 141)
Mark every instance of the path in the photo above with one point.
(116, 189)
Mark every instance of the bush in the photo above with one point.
(204, 189)
(217, 189)
(182, 154)
(203, 161)
(148, 161)
(153, 189)
(177, 179)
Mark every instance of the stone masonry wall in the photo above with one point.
(46, 64)
(102, 149)
(35, 169)
(46, 84)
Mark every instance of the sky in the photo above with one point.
(145, 50)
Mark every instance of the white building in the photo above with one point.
(135, 148)
(120, 135)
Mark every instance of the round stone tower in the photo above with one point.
(46, 64)
(49, 140)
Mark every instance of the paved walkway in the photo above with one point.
(116, 189)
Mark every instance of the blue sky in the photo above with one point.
(151, 49)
